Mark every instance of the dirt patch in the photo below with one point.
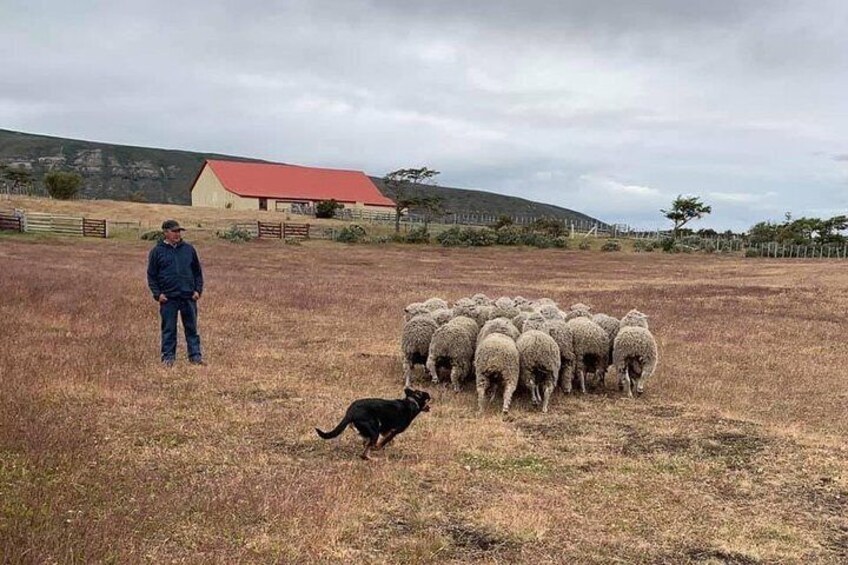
(739, 450)
(469, 538)
(712, 555)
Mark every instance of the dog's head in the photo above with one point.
(421, 398)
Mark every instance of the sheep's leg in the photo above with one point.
(431, 368)
(547, 390)
(627, 383)
(509, 390)
(407, 373)
(565, 378)
(534, 394)
(581, 377)
(638, 384)
(456, 378)
(481, 395)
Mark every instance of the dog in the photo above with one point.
(378, 421)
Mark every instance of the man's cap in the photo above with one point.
(172, 225)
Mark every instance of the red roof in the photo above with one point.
(271, 180)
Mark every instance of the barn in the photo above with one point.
(285, 188)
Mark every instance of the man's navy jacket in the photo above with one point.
(174, 270)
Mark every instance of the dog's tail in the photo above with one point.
(335, 431)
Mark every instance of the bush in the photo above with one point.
(668, 245)
(644, 246)
(611, 245)
(467, 237)
(417, 235)
(585, 244)
(61, 185)
(235, 235)
(548, 226)
(156, 235)
(751, 252)
(353, 233)
(327, 208)
(509, 236)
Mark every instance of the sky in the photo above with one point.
(611, 108)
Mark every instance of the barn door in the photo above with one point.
(263, 203)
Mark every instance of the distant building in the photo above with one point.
(284, 188)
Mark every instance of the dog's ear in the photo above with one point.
(408, 391)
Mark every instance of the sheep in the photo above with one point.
(496, 362)
(442, 316)
(610, 325)
(415, 343)
(480, 313)
(534, 321)
(413, 310)
(519, 320)
(578, 310)
(504, 307)
(452, 348)
(560, 331)
(636, 319)
(634, 358)
(591, 350)
(542, 301)
(432, 304)
(498, 325)
(539, 364)
(521, 301)
(481, 299)
(550, 312)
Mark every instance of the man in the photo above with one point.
(176, 282)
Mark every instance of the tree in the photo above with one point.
(62, 185)
(400, 185)
(432, 206)
(683, 210)
(327, 208)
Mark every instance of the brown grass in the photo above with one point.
(735, 455)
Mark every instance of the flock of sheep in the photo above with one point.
(512, 341)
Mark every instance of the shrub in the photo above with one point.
(548, 226)
(235, 235)
(644, 245)
(353, 233)
(467, 237)
(751, 252)
(156, 235)
(417, 235)
(61, 185)
(509, 235)
(611, 245)
(585, 244)
(668, 245)
(327, 208)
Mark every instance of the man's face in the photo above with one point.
(173, 236)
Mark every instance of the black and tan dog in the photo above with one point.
(378, 421)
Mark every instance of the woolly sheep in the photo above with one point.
(442, 316)
(636, 319)
(481, 299)
(452, 348)
(550, 312)
(518, 321)
(413, 310)
(591, 350)
(578, 310)
(497, 325)
(634, 358)
(539, 364)
(504, 307)
(534, 321)
(560, 331)
(521, 301)
(610, 325)
(496, 362)
(435, 304)
(415, 343)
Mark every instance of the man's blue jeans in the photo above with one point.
(187, 309)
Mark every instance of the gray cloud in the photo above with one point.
(612, 108)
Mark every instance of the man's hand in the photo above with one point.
(162, 299)
(195, 296)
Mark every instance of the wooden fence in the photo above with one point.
(281, 230)
(10, 222)
(94, 228)
(37, 222)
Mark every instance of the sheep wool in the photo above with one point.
(498, 325)
(560, 331)
(539, 364)
(635, 358)
(496, 363)
(591, 350)
(415, 343)
(452, 349)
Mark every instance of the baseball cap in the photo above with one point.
(172, 225)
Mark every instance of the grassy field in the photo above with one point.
(736, 453)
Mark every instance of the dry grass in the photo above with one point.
(735, 455)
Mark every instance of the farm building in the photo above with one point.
(284, 188)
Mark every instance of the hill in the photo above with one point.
(125, 172)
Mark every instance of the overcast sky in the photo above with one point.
(608, 107)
